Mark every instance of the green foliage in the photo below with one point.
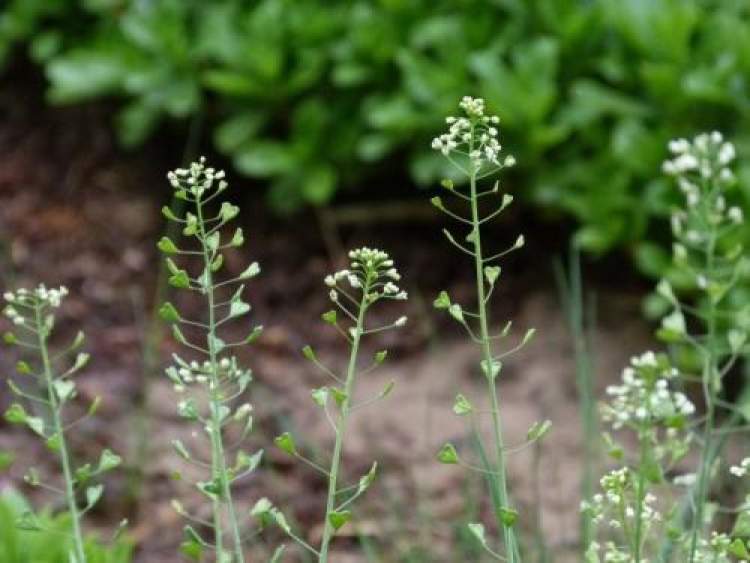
(311, 95)
(49, 544)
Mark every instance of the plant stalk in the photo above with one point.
(218, 459)
(70, 498)
(351, 374)
(500, 469)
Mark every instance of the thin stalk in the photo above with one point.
(709, 390)
(640, 495)
(218, 460)
(571, 293)
(342, 420)
(57, 424)
(484, 335)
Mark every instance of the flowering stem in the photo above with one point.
(341, 423)
(640, 495)
(218, 460)
(484, 336)
(70, 498)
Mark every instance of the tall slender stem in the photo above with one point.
(351, 375)
(218, 460)
(484, 336)
(710, 386)
(640, 495)
(57, 424)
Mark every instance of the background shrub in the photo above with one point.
(315, 96)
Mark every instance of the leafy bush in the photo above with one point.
(49, 544)
(312, 95)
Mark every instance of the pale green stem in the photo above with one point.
(57, 425)
(351, 375)
(484, 336)
(218, 460)
(640, 496)
(710, 388)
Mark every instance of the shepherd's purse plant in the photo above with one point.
(370, 278)
(214, 383)
(471, 145)
(706, 337)
(47, 383)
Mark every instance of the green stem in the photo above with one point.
(351, 375)
(70, 498)
(484, 335)
(218, 459)
(640, 495)
(710, 387)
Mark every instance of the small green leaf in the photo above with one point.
(16, 414)
(738, 549)
(477, 530)
(456, 312)
(329, 317)
(528, 336)
(443, 301)
(181, 450)
(94, 406)
(491, 273)
(281, 521)
(180, 280)
(462, 406)
(54, 443)
(338, 519)
(381, 356)
(492, 370)
(108, 460)
(736, 339)
(237, 239)
(538, 430)
(508, 516)
(366, 480)
(338, 395)
(741, 527)
(238, 308)
(167, 212)
(166, 245)
(64, 389)
(254, 335)
(320, 396)
(437, 202)
(93, 494)
(448, 454)
(23, 368)
(36, 424)
(285, 443)
(9, 338)
(250, 272)
(309, 353)
(228, 211)
(169, 313)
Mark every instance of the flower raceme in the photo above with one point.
(474, 135)
(370, 277)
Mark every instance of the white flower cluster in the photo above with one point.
(474, 136)
(185, 373)
(615, 498)
(41, 296)
(704, 159)
(741, 469)
(707, 156)
(644, 398)
(715, 550)
(197, 179)
(371, 270)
